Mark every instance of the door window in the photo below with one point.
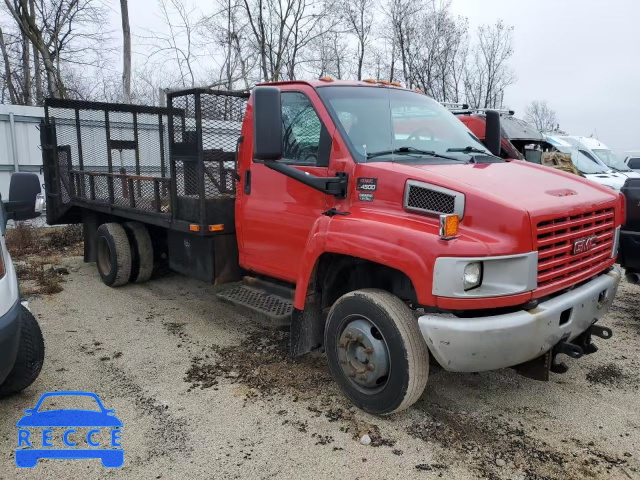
(634, 163)
(304, 137)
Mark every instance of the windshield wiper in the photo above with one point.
(411, 151)
(471, 149)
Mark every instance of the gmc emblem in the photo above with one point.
(581, 245)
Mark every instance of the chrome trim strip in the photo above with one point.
(458, 205)
(616, 243)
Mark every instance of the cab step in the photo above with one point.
(269, 301)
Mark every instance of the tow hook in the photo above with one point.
(602, 332)
(570, 349)
(584, 339)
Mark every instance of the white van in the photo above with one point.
(603, 153)
(588, 165)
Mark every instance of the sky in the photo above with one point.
(581, 56)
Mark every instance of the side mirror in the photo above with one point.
(493, 133)
(24, 194)
(267, 123)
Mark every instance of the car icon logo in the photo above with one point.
(74, 427)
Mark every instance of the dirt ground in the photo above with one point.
(204, 392)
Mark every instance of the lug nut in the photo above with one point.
(352, 374)
(348, 335)
(342, 344)
(368, 350)
(363, 377)
(360, 338)
(370, 367)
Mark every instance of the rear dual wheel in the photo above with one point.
(124, 253)
(376, 352)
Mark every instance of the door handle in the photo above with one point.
(247, 182)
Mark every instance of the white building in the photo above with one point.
(19, 143)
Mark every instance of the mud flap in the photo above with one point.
(307, 329)
(536, 369)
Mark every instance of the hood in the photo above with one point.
(612, 180)
(69, 418)
(518, 184)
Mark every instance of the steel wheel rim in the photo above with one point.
(363, 354)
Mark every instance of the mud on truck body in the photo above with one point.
(365, 216)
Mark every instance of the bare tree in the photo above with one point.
(359, 18)
(8, 80)
(541, 116)
(488, 73)
(126, 51)
(63, 32)
(281, 30)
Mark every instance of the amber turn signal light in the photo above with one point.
(449, 226)
(216, 228)
(194, 227)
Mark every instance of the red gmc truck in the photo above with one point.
(363, 215)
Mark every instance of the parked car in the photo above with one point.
(589, 166)
(629, 255)
(363, 215)
(21, 343)
(595, 148)
(632, 161)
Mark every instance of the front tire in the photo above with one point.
(376, 352)
(30, 356)
(114, 255)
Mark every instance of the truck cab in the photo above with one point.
(397, 233)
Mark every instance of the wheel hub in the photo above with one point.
(363, 354)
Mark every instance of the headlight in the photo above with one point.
(472, 275)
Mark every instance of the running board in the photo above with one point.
(269, 301)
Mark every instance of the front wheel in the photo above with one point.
(376, 352)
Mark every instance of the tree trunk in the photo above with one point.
(126, 51)
(26, 71)
(36, 58)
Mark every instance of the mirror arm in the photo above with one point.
(336, 186)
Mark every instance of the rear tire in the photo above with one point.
(114, 254)
(30, 356)
(376, 352)
(142, 251)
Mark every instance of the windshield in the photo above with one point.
(404, 124)
(611, 159)
(583, 162)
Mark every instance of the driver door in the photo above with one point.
(279, 212)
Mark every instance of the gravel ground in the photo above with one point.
(204, 392)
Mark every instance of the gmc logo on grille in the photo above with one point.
(585, 244)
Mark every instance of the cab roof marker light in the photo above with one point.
(370, 80)
(417, 90)
(326, 79)
(449, 226)
(396, 84)
(384, 82)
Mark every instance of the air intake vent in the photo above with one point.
(432, 199)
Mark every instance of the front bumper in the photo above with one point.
(499, 341)
(9, 339)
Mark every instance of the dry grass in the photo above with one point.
(37, 252)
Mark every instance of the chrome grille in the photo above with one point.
(555, 244)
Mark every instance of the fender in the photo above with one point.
(400, 246)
